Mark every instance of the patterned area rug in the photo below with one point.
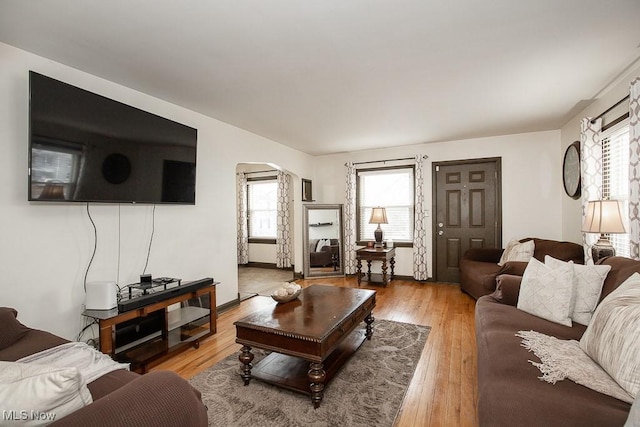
(367, 391)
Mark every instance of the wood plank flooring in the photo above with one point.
(443, 391)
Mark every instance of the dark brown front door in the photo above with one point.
(468, 214)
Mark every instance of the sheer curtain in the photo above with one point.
(419, 233)
(634, 169)
(243, 229)
(283, 236)
(350, 221)
(591, 173)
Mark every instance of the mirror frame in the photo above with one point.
(305, 239)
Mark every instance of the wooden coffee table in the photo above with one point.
(310, 338)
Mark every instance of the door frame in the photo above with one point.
(434, 198)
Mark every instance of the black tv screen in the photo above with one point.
(84, 147)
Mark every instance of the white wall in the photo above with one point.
(531, 182)
(572, 209)
(46, 247)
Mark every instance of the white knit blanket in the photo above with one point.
(560, 359)
(90, 362)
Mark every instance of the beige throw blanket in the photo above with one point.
(90, 362)
(560, 359)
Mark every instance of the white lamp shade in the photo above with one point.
(378, 216)
(604, 216)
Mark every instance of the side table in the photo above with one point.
(386, 255)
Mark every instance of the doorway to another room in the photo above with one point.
(254, 281)
(263, 265)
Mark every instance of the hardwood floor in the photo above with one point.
(443, 390)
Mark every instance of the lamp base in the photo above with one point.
(377, 234)
(602, 250)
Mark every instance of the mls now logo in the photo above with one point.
(24, 415)
(15, 415)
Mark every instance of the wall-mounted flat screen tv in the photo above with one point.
(84, 147)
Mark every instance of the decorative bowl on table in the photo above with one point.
(287, 292)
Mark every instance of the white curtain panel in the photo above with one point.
(243, 230)
(350, 221)
(634, 169)
(283, 236)
(419, 233)
(591, 174)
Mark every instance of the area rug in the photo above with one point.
(367, 391)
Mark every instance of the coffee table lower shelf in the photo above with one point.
(291, 372)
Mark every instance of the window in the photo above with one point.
(262, 208)
(615, 177)
(53, 166)
(391, 188)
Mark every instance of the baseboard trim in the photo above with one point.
(268, 265)
(228, 305)
(400, 277)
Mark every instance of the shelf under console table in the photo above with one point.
(150, 334)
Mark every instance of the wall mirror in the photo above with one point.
(323, 241)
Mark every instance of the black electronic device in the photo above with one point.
(84, 147)
(139, 328)
(136, 301)
(145, 279)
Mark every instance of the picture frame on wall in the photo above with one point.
(307, 190)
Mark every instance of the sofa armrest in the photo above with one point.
(491, 255)
(515, 268)
(160, 398)
(507, 289)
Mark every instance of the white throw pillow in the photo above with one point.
(35, 394)
(516, 251)
(322, 243)
(612, 338)
(634, 414)
(587, 283)
(547, 292)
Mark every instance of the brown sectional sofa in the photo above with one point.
(509, 391)
(121, 397)
(479, 267)
(326, 257)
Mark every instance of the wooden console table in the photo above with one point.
(386, 255)
(182, 328)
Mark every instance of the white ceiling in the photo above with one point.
(330, 76)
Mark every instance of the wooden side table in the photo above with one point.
(386, 255)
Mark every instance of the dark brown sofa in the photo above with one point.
(479, 267)
(509, 391)
(326, 257)
(121, 397)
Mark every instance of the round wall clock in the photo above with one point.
(116, 168)
(571, 170)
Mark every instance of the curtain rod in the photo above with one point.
(388, 160)
(610, 108)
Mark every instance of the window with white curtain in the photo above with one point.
(262, 205)
(390, 188)
(615, 177)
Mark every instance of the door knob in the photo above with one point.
(440, 225)
(440, 233)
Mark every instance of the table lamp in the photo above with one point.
(603, 217)
(378, 216)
